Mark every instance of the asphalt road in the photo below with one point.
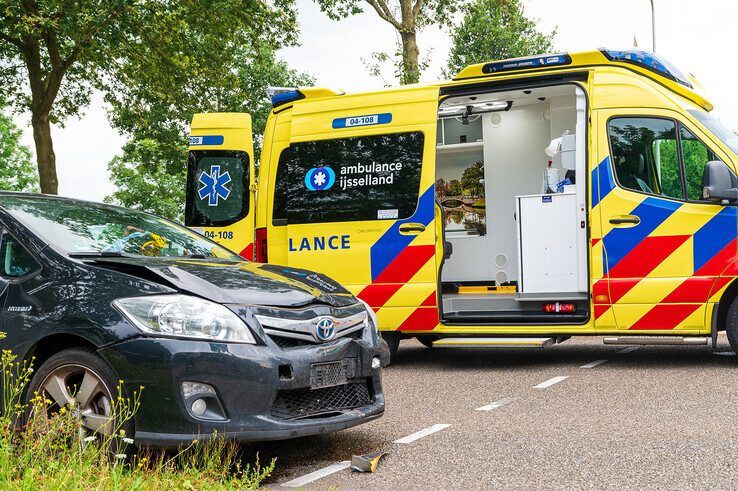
(653, 417)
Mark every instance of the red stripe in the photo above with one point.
(248, 252)
(600, 288)
(694, 289)
(600, 309)
(595, 241)
(406, 264)
(664, 317)
(646, 256)
(719, 284)
(619, 287)
(719, 261)
(422, 319)
(430, 301)
(378, 295)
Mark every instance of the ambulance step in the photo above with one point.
(658, 340)
(498, 342)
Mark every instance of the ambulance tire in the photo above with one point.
(731, 325)
(393, 341)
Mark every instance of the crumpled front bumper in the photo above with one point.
(248, 380)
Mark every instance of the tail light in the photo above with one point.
(558, 307)
(260, 245)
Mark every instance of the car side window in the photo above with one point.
(15, 260)
(696, 155)
(645, 155)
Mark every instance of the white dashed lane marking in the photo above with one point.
(422, 433)
(548, 383)
(629, 349)
(593, 364)
(495, 405)
(319, 474)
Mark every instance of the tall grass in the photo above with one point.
(39, 452)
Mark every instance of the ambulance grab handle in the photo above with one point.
(631, 219)
(412, 228)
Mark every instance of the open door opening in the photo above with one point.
(511, 184)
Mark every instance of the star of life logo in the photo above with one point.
(320, 178)
(214, 185)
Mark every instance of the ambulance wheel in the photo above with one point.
(393, 341)
(731, 325)
(427, 341)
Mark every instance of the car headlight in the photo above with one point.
(183, 316)
(372, 315)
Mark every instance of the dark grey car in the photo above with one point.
(96, 294)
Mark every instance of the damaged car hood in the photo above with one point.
(236, 282)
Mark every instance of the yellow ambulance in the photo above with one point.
(519, 204)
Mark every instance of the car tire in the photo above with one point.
(64, 377)
(393, 342)
(731, 325)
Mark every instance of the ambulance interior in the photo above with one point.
(514, 225)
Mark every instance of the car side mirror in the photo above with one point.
(719, 183)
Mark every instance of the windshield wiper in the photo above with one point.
(98, 254)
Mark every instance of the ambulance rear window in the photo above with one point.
(217, 187)
(349, 179)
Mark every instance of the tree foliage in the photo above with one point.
(53, 53)
(495, 30)
(407, 17)
(150, 172)
(17, 172)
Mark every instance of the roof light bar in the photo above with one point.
(650, 61)
(541, 61)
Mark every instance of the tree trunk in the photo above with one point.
(410, 54)
(45, 157)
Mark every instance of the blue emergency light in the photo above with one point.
(526, 63)
(648, 60)
(283, 95)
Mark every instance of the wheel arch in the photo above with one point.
(52, 344)
(726, 299)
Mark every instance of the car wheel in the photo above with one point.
(79, 378)
(731, 325)
(393, 341)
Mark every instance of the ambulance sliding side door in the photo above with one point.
(220, 180)
(355, 193)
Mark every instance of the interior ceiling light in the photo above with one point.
(464, 111)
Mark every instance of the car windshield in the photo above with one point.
(96, 229)
(717, 128)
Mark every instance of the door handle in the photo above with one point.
(625, 220)
(412, 228)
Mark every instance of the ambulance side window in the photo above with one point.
(349, 179)
(645, 155)
(695, 155)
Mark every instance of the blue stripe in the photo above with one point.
(392, 242)
(620, 241)
(713, 236)
(602, 181)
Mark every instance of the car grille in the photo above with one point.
(287, 343)
(306, 403)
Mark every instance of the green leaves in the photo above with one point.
(495, 30)
(17, 172)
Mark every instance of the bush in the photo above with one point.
(48, 453)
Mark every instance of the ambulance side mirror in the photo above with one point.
(719, 183)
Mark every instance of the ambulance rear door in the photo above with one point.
(355, 193)
(220, 180)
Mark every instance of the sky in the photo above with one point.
(695, 36)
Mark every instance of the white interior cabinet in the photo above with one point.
(549, 261)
